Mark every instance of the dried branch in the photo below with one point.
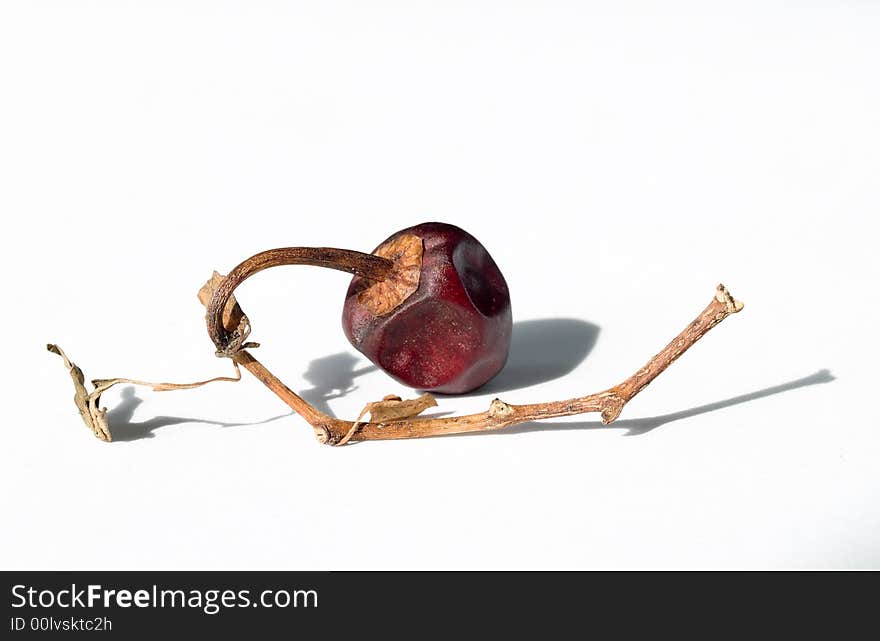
(390, 418)
(333, 431)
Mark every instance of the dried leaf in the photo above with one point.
(390, 408)
(87, 403)
(232, 313)
(234, 319)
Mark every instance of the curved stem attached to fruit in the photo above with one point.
(230, 340)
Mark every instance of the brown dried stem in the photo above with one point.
(230, 340)
(387, 425)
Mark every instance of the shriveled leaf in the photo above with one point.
(234, 320)
(390, 408)
(87, 403)
(94, 417)
(232, 313)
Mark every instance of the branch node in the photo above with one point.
(499, 409)
(613, 407)
(322, 434)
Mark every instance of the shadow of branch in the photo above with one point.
(639, 426)
(332, 377)
(124, 429)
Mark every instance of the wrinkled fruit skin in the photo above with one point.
(453, 334)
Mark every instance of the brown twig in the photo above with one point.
(608, 403)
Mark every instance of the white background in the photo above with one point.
(618, 160)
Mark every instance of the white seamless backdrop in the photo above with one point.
(617, 159)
